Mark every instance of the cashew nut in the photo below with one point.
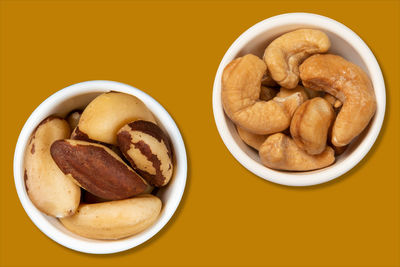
(347, 82)
(310, 125)
(285, 53)
(241, 85)
(281, 152)
(253, 140)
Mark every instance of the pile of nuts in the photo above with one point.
(323, 102)
(98, 179)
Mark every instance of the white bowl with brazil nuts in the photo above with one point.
(344, 42)
(77, 96)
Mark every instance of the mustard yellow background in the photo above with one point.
(172, 50)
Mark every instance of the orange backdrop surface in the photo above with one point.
(172, 50)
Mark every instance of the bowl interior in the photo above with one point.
(78, 97)
(254, 41)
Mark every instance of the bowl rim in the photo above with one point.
(93, 246)
(322, 175)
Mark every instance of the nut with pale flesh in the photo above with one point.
(97, 169)
(241, 85)
(310, 125)
(114, 219)
(348, 83)
(253, 140)
(50, 190)
(149, 151)
(108, 112)
(281, 152)
(284, 54)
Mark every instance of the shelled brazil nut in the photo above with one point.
(148, 149)
(324, 100)
(60, 163)
(52, 192)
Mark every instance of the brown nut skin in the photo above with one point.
(281, 152)
(310, 125)
(253, 140)
(285, 53)
(97, 169)
(114, 219)
(348, 83)
(50, 190)
(241, 85)
(108, 112)
(149, 151)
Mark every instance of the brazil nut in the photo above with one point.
(149, 151)
(114, 219)
(97, 169)
(47, 186)
(108, 112)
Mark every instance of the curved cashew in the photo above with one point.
(281, 152)
(347, 82)
(310, 125)
(253, 140)
(241, 85)
(286, 52)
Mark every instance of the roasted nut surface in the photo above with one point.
(253, 140)
(348, 83)
(285, 53)
(114, 219)
(241, 85)
(310, 125)
(281, 152)
(107, 113)
(97, 169)
(149, 151)
(49, 189)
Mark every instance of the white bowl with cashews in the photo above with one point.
(299, 99)
(106, 219)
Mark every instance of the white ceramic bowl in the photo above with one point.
(344, 43)
(77, 96)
